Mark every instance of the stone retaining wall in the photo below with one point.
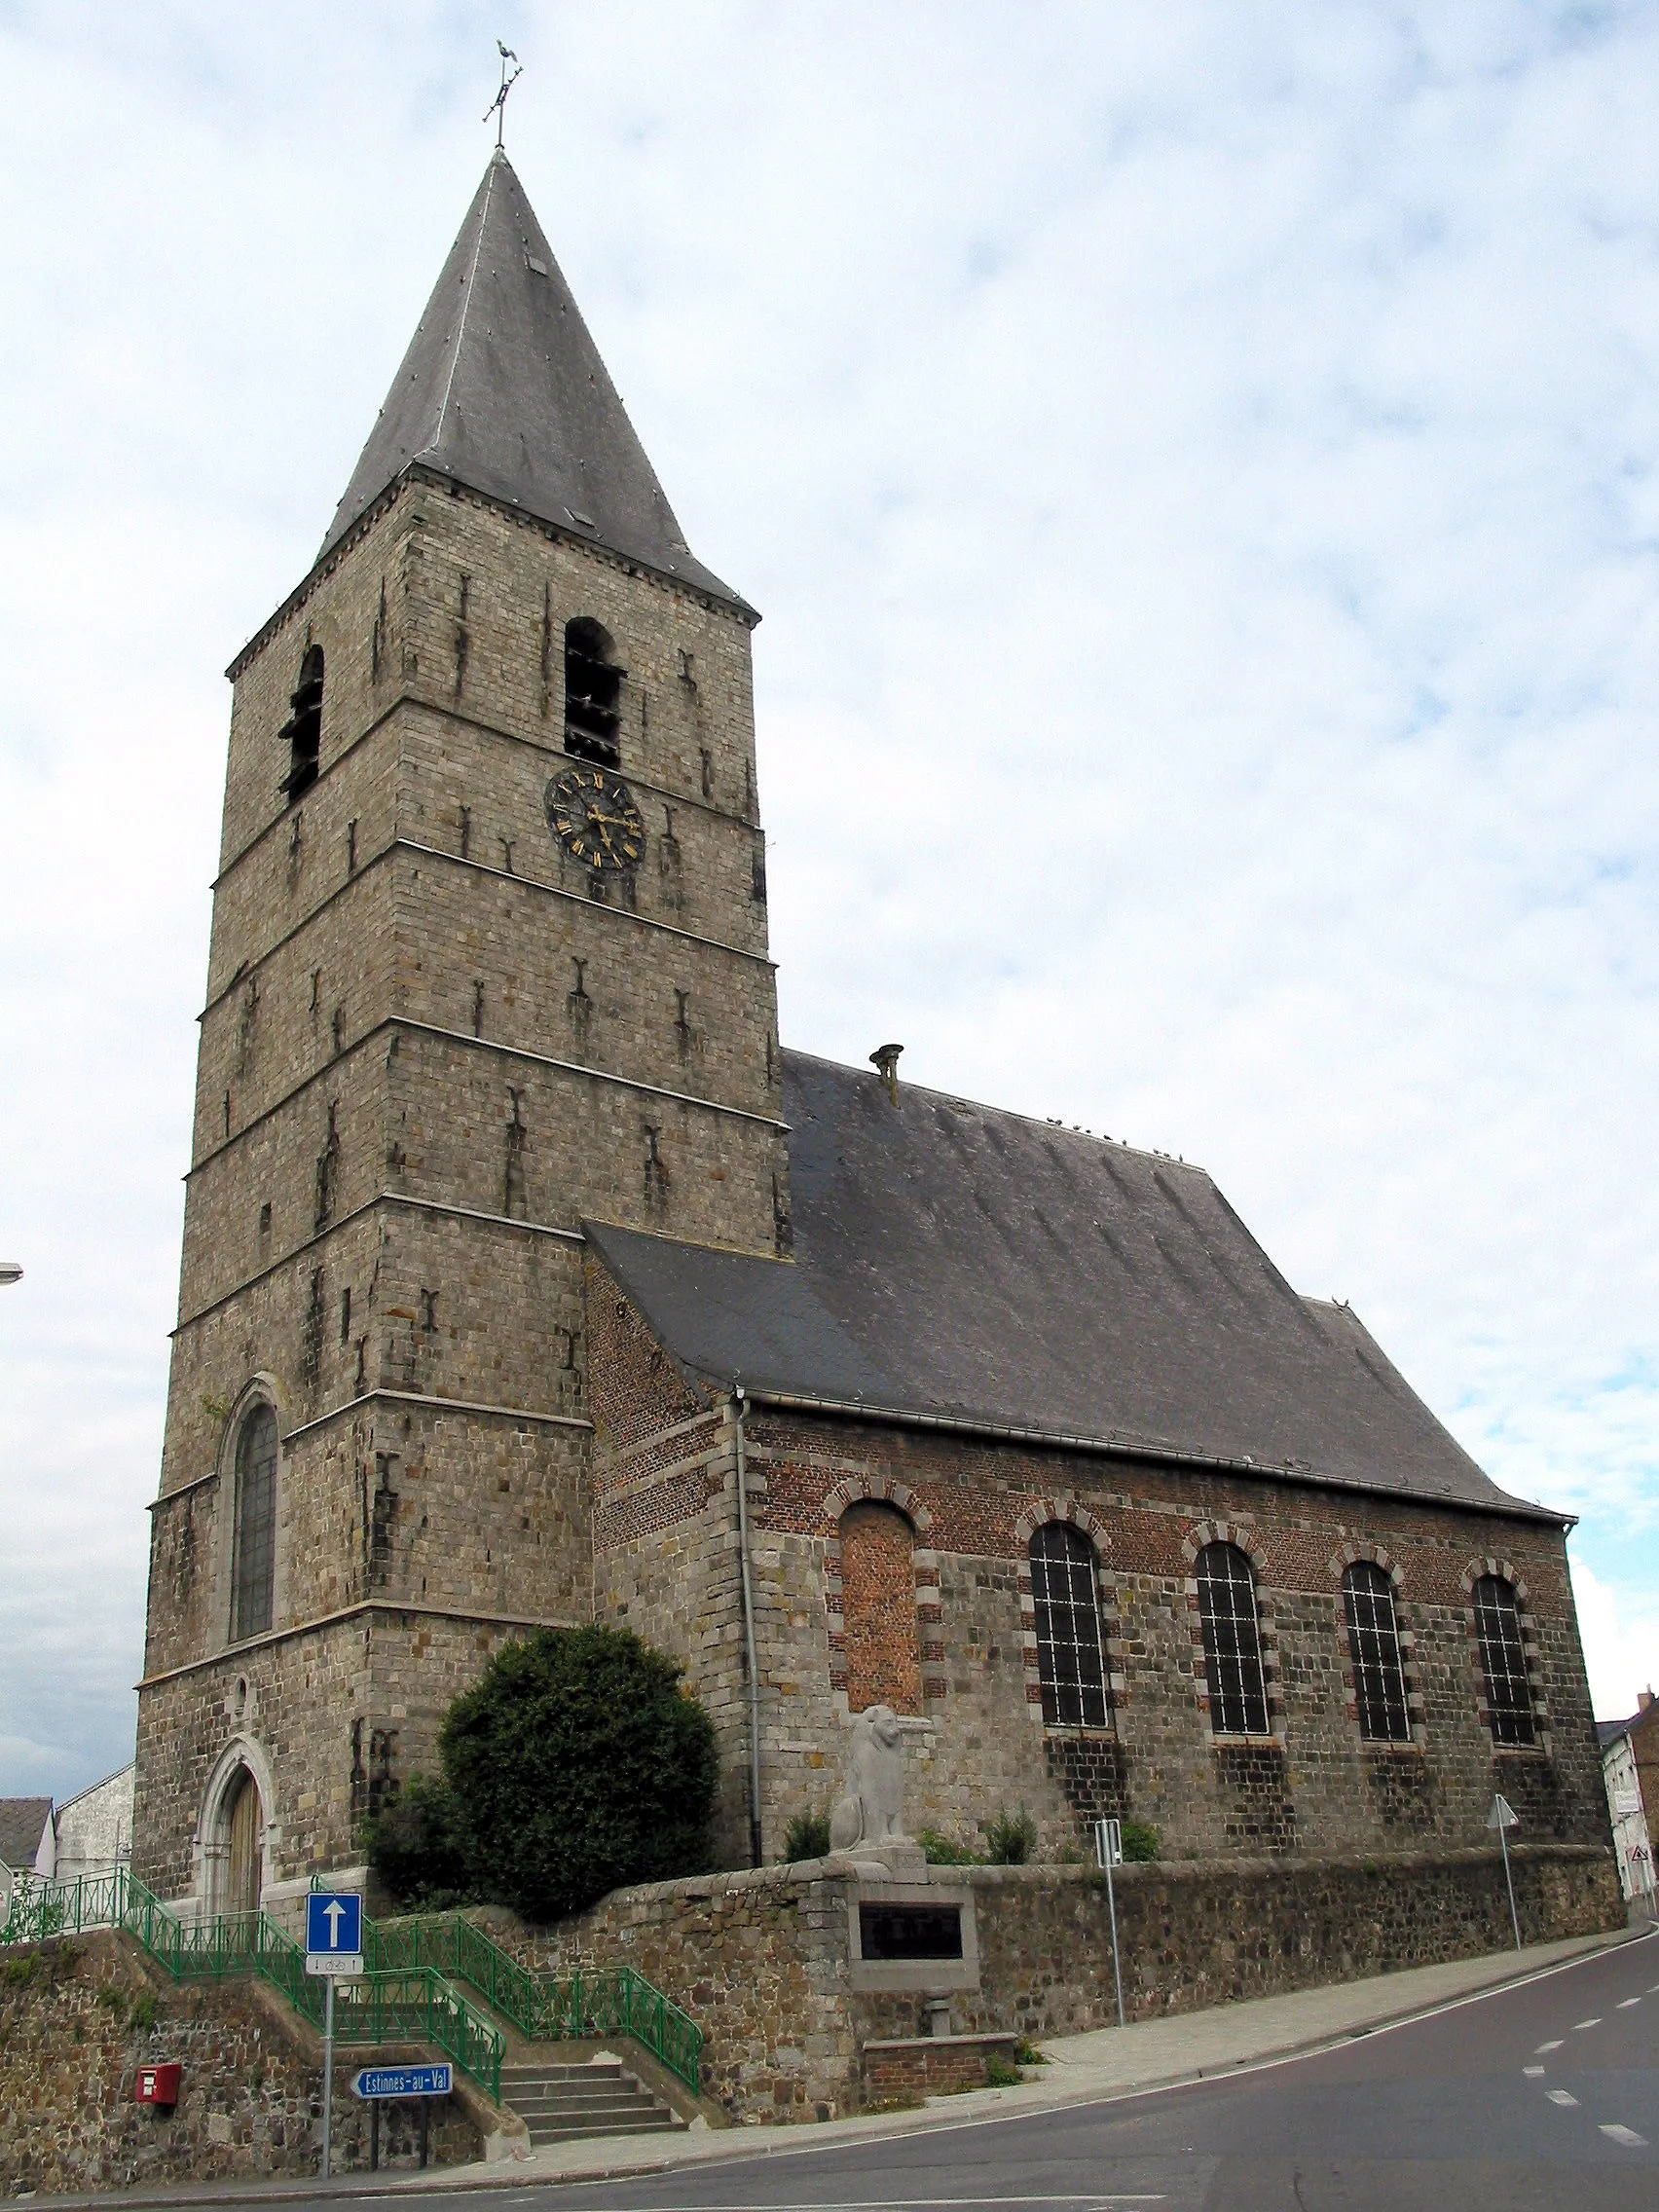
(76, 2025)
(759, 1959)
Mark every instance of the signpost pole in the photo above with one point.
(1503, 1846)
(327, 2073)
(1108, 1849)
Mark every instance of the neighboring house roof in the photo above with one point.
(1609, 1731)
(954, 1260)
(23, 1822)
(504, 389)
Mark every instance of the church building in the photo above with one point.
(528, 1278)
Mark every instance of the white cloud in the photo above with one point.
(1237, 426)
(1621, 1642)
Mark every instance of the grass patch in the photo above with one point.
(1002, 2073)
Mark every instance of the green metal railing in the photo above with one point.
(544, 2008)
(395, 2003)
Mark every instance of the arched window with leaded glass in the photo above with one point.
(1232, 1642)
(253, 1568)
(1503, 1661)
(1071, 1651)
(1373, 1645)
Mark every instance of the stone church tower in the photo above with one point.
(489, 956)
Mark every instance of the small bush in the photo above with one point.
(807, 1836)
(114, 2001)
(940, 1850)
(1026, 2053)
(1000, 2072)
(17, 1973)
(576, 1763)
(1141, 1841)
(142, 2017)
(1011, 1838)
(417, 1849)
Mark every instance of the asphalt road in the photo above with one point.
(1543, 2095)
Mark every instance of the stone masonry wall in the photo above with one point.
(980, 1745)
(432, 1046)
(251, 2098)
(760, 1959)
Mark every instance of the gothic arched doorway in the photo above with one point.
(243, 1871)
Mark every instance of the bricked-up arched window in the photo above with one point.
(880, 1639)
(1232, 1642)
(303, 732)
(593, 690)
(253, 1570)
(1071, 1660)
(1374, 1642)
(1503, 1661)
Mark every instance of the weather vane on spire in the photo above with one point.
(497, 107)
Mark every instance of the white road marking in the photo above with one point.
(1624, 2135)
(1543, 2046)
(1561, 2096)
(1531, 2071)
(1628, 2002)
(1595, 2024)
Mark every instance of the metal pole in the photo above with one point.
(1514, 1917)
(327, 2074)
(1112, 1908)
(756, 1856)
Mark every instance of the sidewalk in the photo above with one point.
(1104, 2062)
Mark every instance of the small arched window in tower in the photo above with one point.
(1071, 1659)
(1373, 1644)
(1233, 1642)
(593, 691)
(303, 731)
(1503, 1661)
(254, 1560)
(878, 1609)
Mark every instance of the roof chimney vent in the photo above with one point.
(885, 1061)
(1645, 1698)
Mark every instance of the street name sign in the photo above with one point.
(403, 2082)
(334, 1933)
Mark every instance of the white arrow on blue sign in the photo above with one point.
(403, 2082)
(334, 1933)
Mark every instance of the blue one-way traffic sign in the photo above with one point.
(334, 1933)
(404, 2080)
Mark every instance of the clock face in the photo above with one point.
(592, 814)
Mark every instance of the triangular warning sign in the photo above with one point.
(1502, 1815)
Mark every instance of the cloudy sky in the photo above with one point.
(1197, 464)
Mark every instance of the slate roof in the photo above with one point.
(502, 390)
(23, 1823)
(952, 1261)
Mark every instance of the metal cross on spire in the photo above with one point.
(497, 107)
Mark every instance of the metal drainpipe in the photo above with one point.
(739, 1408)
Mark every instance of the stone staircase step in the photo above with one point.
(560, 2101)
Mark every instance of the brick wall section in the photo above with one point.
(250, 2097)
(878, 1609)
(760, 1960)
(929, 2067)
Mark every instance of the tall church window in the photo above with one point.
(1232, 1642)
(879, 1637)
(1071, 1658)
(1503, 1661)
(253, 1568)
(593, 691)
(1373, 1644)
(303, 731)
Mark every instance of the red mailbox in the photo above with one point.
(157, 2085)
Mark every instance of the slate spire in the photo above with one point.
(502, 390)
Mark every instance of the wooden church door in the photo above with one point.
(243, 1882)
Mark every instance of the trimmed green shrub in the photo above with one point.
(1011, 1838)
(1141, 1841)
(807, 1836)
(577, 1764)
(940, 1850)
